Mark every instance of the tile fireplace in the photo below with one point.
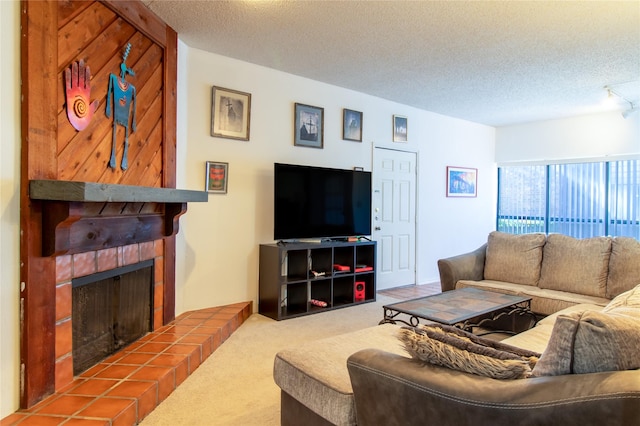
(100, 263)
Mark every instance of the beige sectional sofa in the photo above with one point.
(557, 271)
(367, 378)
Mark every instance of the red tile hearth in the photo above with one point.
(127, 386)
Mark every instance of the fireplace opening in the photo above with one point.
(110, 310)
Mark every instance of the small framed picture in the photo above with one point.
(230, 114)
(462, 182)
(351, 125)
(308, 126)
(217, 177)
(399, 128)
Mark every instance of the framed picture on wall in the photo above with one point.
(399, 128)
(230, 114)
(217, 177)
(351, 125)
(308, 126)
(462, 182)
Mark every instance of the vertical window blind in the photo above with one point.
(581, 200)
(624, 198)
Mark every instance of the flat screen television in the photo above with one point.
(317, 202)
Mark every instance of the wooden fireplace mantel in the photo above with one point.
(84, 216)
(63, 190)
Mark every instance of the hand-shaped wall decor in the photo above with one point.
(78, 94)
(124, 94)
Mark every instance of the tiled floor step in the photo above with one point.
(127, 386)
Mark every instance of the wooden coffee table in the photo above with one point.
(464, 308)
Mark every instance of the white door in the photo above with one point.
(394, 217)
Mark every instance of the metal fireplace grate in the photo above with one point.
(110, 310)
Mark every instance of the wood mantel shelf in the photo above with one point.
(82, 216)
(64, 190)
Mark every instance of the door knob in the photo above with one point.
(377, 228)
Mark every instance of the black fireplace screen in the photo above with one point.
(109, 311)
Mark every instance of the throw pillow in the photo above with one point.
(624, 266)
(514, 258)
(456, 349)
(576, 265)
(627, 303)
(591, 342)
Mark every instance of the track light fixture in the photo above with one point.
(630, 111)
(633, 107)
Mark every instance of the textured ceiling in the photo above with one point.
(492, 62)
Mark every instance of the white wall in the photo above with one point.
(218, 241)
(596, 136)
(9, 206)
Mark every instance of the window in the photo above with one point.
(522, 199)
(624, 198)
(577, 199)
(581, 200)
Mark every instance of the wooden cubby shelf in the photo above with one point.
(293, 274)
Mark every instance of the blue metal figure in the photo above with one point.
(124, 93)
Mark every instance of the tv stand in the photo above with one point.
(296, 277)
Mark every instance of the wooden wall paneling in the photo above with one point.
(75, 35)
(169, 293)
(38, 130)
(106, 47)
(69, 9)
(169, 164)
(154, 168)
(142, 18)
(145, 138)
(170, 107)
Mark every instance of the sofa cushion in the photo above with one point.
(624, 266)
(514, 258)
(316, 375)
(543, 301)
(576, 265)
(590, 341)
(450, 347)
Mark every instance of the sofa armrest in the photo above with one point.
(468, 266)
(394, 390)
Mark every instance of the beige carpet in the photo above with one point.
(234, 386)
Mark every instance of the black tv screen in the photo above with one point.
(317, 202)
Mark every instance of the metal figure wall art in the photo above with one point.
(80, 109)
(124, 95)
